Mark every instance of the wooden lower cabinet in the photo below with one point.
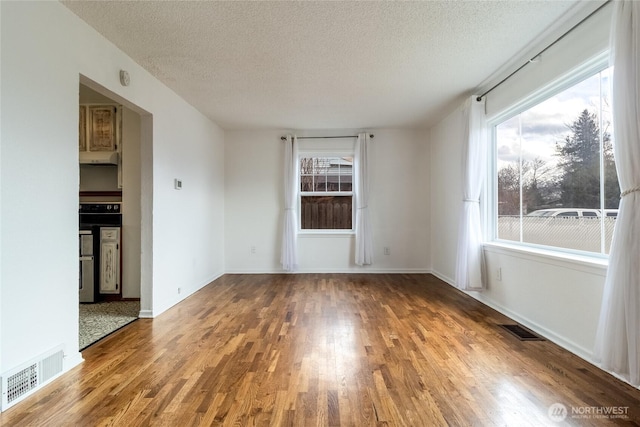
(110, 260)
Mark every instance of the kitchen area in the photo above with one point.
(109, 212)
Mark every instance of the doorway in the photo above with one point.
(120, 185)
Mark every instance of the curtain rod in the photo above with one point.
(536, 57)
(284, 138)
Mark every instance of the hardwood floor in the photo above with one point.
(351, 350)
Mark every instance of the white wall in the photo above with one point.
(398, 205)
(188, 224)
(446, 193)
(558, 298)
(131, 204)
(45, 50)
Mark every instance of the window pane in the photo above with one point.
(346, 173)
(508, 149)
(556, 173)
(306, 174)
(578, 148)
(326, 174)
(320, 183)
(333, 182)
(326, 212)
(320, 165)
(611, 185)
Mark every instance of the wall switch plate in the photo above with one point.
(499, 274)
(387, 250)
(177, 183)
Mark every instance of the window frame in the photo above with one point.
(329, 153)
(589, 68)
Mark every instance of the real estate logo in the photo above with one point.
(557, 412)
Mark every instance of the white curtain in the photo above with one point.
(617, 346)
(289, 255)
(364, 235)
(470, 258)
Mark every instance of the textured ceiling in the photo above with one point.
(321, 65)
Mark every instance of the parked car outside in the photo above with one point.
(572, 213)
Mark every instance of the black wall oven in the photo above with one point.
(99, 243)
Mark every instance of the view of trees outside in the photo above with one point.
(580, 164)
(325, 199)
(326, 174)
(552, 155)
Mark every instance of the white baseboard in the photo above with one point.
(145, 314)
(581, 352)
(444, 278)
(548, 334)
(72, 360)
(150, 314)
(360, 270)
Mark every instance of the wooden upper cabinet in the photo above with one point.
(82, 129)
(102, 128)
(100, 133)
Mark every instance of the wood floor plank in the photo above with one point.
(324, 350)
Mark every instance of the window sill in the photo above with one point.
(326, 233)
(589, 264)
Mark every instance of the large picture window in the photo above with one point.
(326, 193)
(556, 178)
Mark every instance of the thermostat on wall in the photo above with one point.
(177, 183)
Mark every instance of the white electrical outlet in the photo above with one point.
(252, 249)
(387, 250)
(179, 290)
(499, 274)
(177, 183)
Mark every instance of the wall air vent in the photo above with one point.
(22, 382)
(19, 382)
(521, 333)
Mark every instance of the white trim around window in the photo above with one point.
(587, 261)
(328, 156)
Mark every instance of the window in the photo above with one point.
(326, 193)
(556, 178)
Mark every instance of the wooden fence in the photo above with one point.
(326, 212)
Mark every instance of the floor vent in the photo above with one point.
(522, 333)
(22, 381)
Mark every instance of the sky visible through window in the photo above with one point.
(556, 158)
(548, 123)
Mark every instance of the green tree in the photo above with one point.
(580, 164)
